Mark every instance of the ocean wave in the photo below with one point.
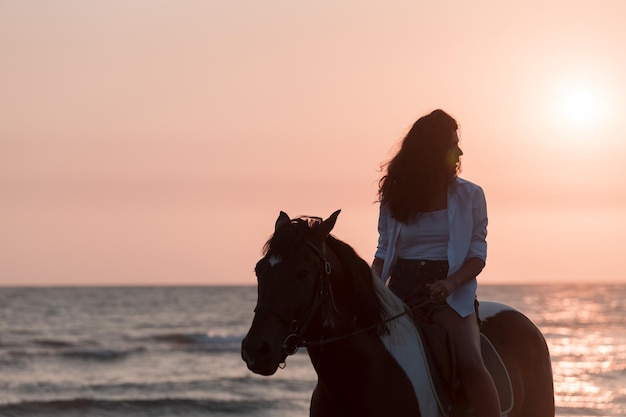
(53, 343)
(138, 407)
(124, 347)
(99, 354)
(201, 341)
(17, 356)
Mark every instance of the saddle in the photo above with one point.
(443, 372)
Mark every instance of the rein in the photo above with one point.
(323, 341)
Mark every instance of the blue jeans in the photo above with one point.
(409, 281)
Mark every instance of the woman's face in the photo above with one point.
(454, 153)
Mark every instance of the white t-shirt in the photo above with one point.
(425, 238)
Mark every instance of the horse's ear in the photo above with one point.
(283, 219)
(324, 228)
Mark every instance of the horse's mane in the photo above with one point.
(365, 300)
(287, 239)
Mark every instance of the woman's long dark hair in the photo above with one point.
(421, 170)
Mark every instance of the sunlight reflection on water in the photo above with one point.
(583, 326)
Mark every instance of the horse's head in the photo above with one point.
(292, 279)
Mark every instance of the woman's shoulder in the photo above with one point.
(467, 190)
(462, 183)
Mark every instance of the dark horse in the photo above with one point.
(314, 291)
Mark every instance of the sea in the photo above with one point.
(175, 351)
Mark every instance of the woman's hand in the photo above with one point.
(441, 289)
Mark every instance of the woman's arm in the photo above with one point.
(377, 266)
(383, 241)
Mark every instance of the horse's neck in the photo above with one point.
(367, 360)
(356, 358)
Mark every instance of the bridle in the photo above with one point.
(323, 296)
(298, 326)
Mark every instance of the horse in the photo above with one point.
(315, 291)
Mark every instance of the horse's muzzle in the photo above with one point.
(259, 356)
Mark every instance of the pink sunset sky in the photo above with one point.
(147, 142)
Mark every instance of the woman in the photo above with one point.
(432, 229)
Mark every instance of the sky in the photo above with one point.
(153, 142)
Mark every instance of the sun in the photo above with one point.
(580, 106)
